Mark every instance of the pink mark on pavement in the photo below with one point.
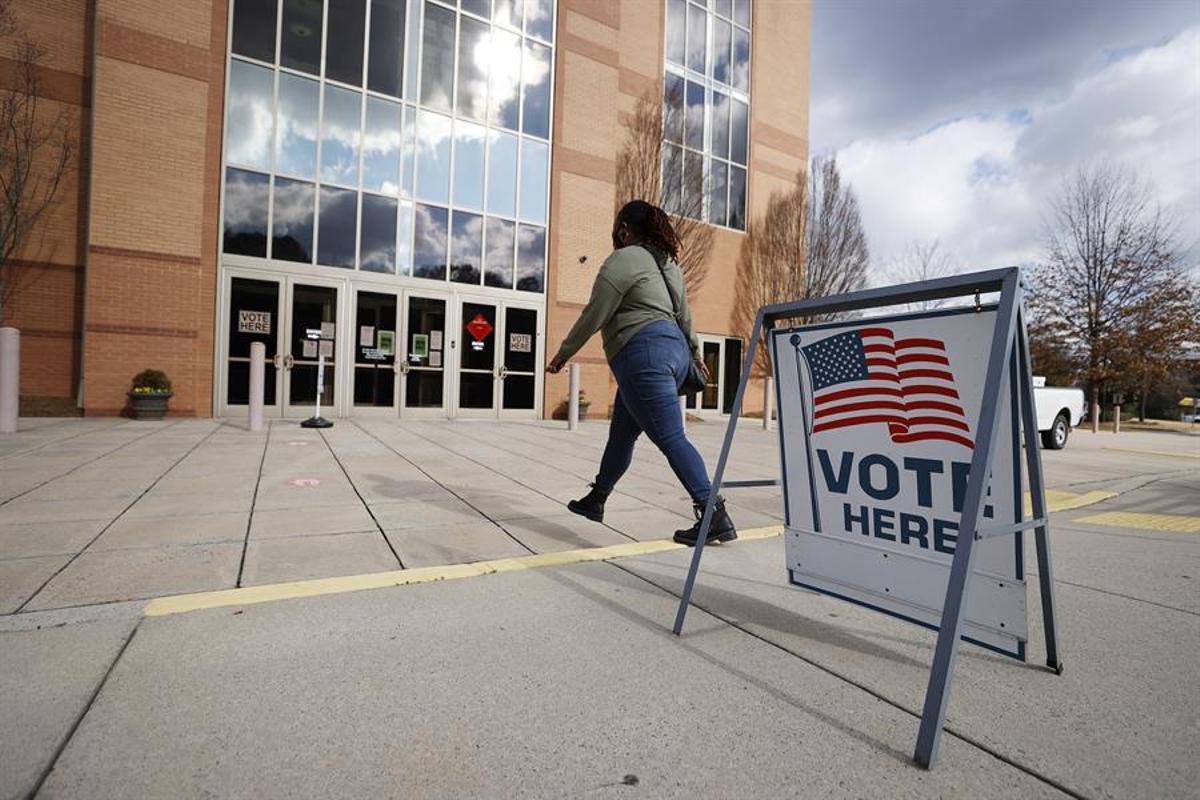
(304, 482)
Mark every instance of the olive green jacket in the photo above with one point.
(629, 293)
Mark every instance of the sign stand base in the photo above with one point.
(316, 422)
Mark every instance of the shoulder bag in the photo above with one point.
(694, 382)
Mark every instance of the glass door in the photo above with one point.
(253, 314)
(425, 352)
(519, 373)
(311, 339)
(710, 351)
(375, 365)
(477, 360)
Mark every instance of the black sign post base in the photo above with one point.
(316, 422)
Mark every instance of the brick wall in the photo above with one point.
(152, 271)
(608, 54)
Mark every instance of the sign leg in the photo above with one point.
(1037, 491)
(718, 476)
(937, 694)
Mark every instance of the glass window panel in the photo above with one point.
(254, 29)
(673, 89)
(474, 53)
(722, 31)
(676, 30)
(741, 60)
(292, 221)
(723, 7)
(433, 157)
(502, 174)
(412, 56)
(246, 212)
(720, 124)
(437, 57)
(408, 135)
(481, 7)
(381, 146)
(539, 19)
(505, 71)
(535, 165)
(693, 185)
(296, 142)
(404, 247)
(248, 130)
(385, 68)
(697, 42)
(531, 258)
(340, 136)
(300, 40)
(429, 242)
(466, 248)
(695, 115)
(507, 12)
(344, 50)
(717, 189)
(468, 165)
(498, 260)
(737, 198)
(377, 244)
(672, 178)
(535, 110)
(741, 12)
(739, 135)
(337, 226)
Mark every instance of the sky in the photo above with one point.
(958, 120)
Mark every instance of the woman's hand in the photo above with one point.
(555, 365)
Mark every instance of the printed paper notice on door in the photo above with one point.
(310, 348)
(420, 345)
(387, 342)
(327, 330)
(366, 336)
(327, 348)
(435, 340)
(435, 358)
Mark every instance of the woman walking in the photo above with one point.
(639, 303)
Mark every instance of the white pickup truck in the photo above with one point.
(1058, 410)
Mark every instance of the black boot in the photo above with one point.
(721, 528)
(591, 505)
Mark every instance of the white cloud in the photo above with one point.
(980, 183)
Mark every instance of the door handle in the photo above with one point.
(402, 367)
(277, 360)
(288, 361)
(502, 372)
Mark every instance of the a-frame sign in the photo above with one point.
(901, 451)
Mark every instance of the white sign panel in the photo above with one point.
(254, 322)
(877, 423)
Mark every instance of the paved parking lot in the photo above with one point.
(556, 681)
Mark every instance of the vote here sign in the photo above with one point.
(877, 423)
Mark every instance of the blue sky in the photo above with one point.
(957, 120)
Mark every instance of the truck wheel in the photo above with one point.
(1056, 437)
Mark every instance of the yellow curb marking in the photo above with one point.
(1153, 452)
(1058, 500)
(1177, 523)
(249, 595)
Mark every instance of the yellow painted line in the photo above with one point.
(1177, 523)
(1058, 500)
(1153, 452)
(250, 595)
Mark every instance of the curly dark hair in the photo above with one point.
(652, 224)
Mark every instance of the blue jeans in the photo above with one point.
(649, 369)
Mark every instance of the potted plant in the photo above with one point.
(150, 393)
(584, 403)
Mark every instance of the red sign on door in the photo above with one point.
(479, 328)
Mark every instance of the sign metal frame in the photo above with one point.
(1009, 348)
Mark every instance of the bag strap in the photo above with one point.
(663, 272)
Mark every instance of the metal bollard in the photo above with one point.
(1117, 418)
(573, 397)
(258, 361)
(1095, 417)
(768, 397)
(10, 379)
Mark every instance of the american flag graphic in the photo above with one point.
(868, 376)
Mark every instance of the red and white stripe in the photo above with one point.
(910, 388)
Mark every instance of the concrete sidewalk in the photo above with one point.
(551, 682)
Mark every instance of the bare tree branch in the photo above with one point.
(35, 154)
(921, 261)
(640, 177)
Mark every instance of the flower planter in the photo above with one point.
(149, 405)
(583, 409)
